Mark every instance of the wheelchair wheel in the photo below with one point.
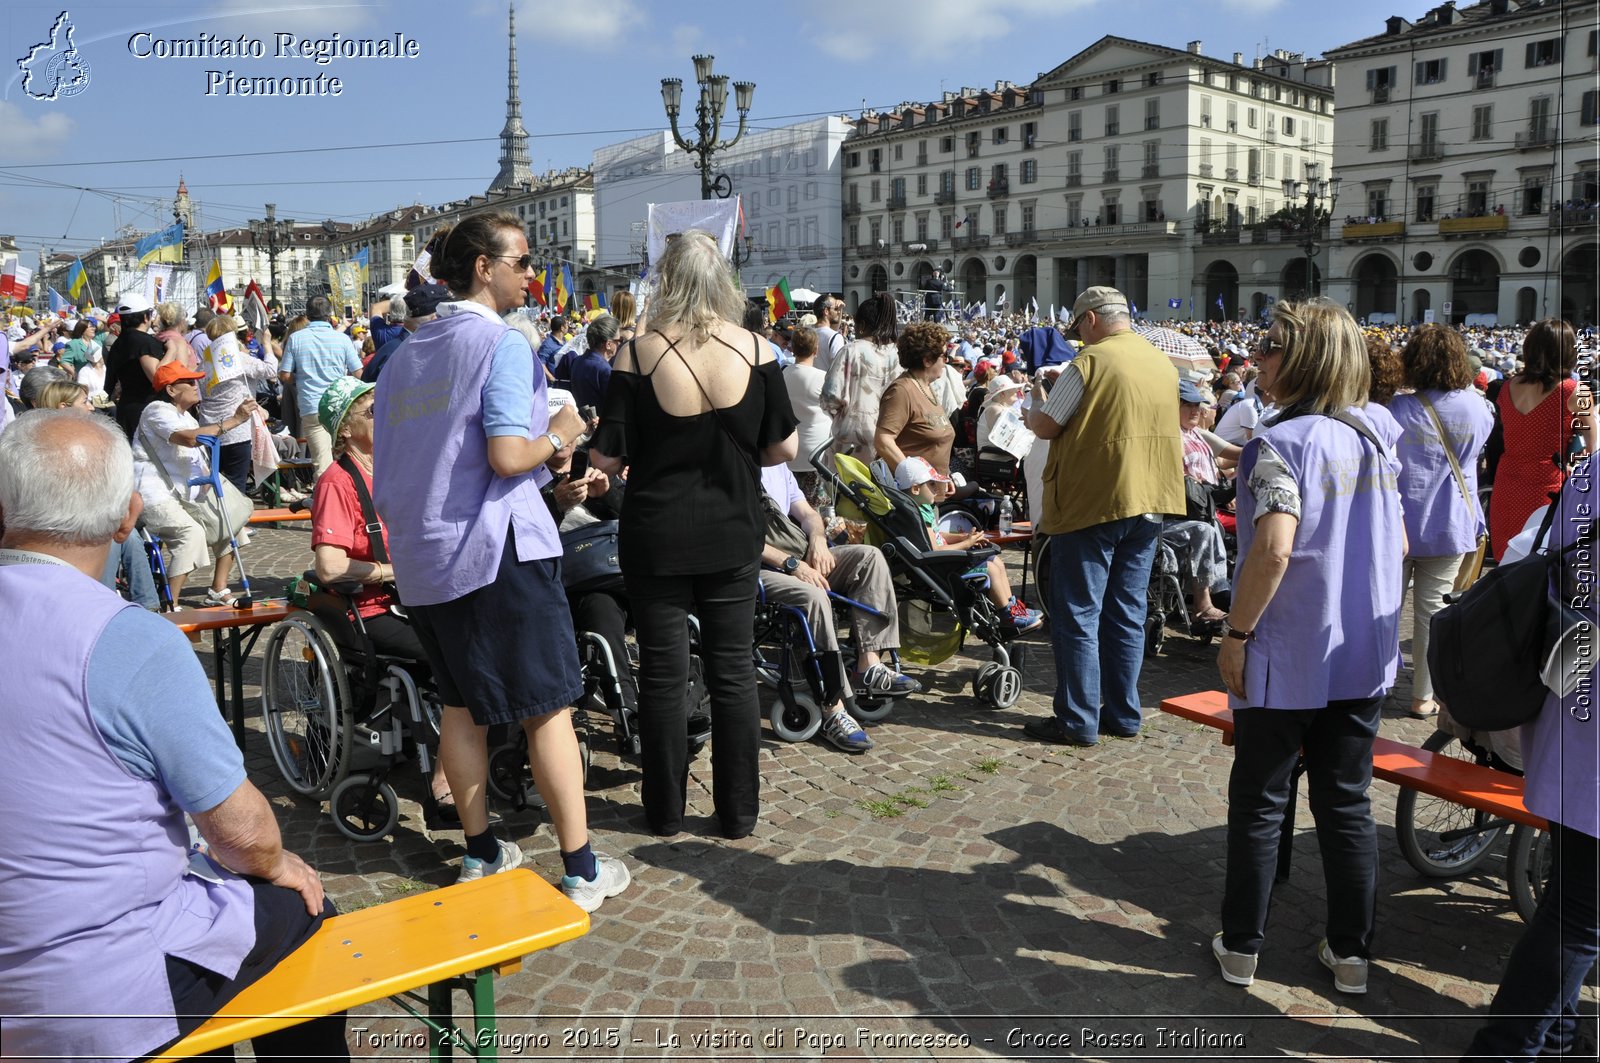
(872, 711)
(1438, 837)
(1528, 866)
(365, 808)
(508, 770)
(1155, 631)
(797, 722)
(305, 699)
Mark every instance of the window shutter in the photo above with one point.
(1372, 79)
(1472, 64)
(1418, 74)
(1528, 61)
(1443, 66)
(1499, 62)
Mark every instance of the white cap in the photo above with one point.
(913, 471)
(133, 303)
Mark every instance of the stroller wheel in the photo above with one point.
(1155, 634)
(365, 808)
(1004, 687)
(796, 718)
(981, 681)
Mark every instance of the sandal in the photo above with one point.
(1425, 711)
(225, 597)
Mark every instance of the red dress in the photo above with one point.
(1534, 462)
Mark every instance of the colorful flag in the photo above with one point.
(77, 279)
(164, 246)
(22, 277)
(536, 289)
(595, 301)
(216, 292)
(1220, 305)
(361, 260)
(8, 275)
(1175, 304)
(58, 302)
(563, 288)
(254, 309)
(779, 301)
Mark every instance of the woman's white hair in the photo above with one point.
(65, 476)
(523, 322)
(695, 286)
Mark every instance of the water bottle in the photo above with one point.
(1006, 515)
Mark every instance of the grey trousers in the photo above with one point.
(859, 572)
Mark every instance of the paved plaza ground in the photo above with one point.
(957, 892)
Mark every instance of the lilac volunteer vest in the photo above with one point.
(1561, 745)
(1438, 520)
(1332, 632)
(445, 509)
(93, 893)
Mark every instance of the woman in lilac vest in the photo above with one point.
(1535, 1011)
(461, 436)
(1312, 637)
(1442, 523)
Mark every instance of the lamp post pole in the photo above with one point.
(1317, 189)
(271, 234)
(709, 110)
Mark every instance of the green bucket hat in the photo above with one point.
(338, 399)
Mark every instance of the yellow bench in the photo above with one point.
(460, 936)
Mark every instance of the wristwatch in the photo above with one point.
(790, 565)
(555, 440)
(1234, 633)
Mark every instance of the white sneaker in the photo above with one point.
(1238, 968)
(1349, 974)
(611, 878)
(473, 868)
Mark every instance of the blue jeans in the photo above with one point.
(1536, 1007)
(1100, 581)
(129, 557)
(1337, 742)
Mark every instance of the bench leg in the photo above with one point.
(443, 1020)
(483, 1015)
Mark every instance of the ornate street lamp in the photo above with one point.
(1318, 191)
(708, 114)
(271, 235)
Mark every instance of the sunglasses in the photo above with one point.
(521, 262)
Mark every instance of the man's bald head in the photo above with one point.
(65, 477)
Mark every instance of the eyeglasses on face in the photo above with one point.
(521, 262)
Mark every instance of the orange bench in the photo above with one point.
(458, 937)
(1473, 785)
(277, 515)
(234, 633)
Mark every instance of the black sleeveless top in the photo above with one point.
(693, 503)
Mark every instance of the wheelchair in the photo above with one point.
(340, 716)
(510, 777)
(789, 664)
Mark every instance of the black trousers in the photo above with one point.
(605, 613)
(282, 926)
(724, 603)
(235, 462)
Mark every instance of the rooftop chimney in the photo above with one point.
(1238, 59)
(1194, 48)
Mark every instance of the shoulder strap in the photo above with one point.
(154, 455)
(756, 472)
(380, 549)
(1449, 448)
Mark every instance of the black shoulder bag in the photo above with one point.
(374, 527)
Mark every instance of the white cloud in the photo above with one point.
(34, 133)
(852, 30)
(289, 16)
(590, 24)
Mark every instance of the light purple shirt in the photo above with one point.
(448, 513)
(1439, 521)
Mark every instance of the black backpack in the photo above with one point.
(1486, 648)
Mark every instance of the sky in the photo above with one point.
(423, 129)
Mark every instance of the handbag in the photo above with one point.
(1472, 564)
(1487, 649)
(1199, 503)
(589, 560)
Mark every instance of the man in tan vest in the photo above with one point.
(1115, 466)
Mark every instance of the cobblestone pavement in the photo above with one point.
(957, 892)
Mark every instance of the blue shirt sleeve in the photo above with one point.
(508, 391)
(286, 363)
(352, 357)
(152, 703)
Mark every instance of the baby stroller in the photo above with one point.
(940, 591)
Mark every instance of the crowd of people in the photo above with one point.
(1344, 460)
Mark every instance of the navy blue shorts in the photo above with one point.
(505, 651)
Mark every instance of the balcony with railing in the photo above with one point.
(1481, 225)
(1380, 94)
(851, 208)
(813, 251)
(1074, 180)
(1427, 151)
(1576, 217)
(773, 254)
(1218, 233)
(871, 249)
(960, 241)
(1022, 237)
(1150, 169)
(1372, 230)
(1110, 177)
(1535, 137)
(945, 197)
(917, 247)
(999, 187)
(1485, 78)
(897, 202)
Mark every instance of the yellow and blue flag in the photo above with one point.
(77, 279)
(164, 246)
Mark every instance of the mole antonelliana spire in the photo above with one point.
(515, 169)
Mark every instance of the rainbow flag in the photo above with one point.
(779, 301)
